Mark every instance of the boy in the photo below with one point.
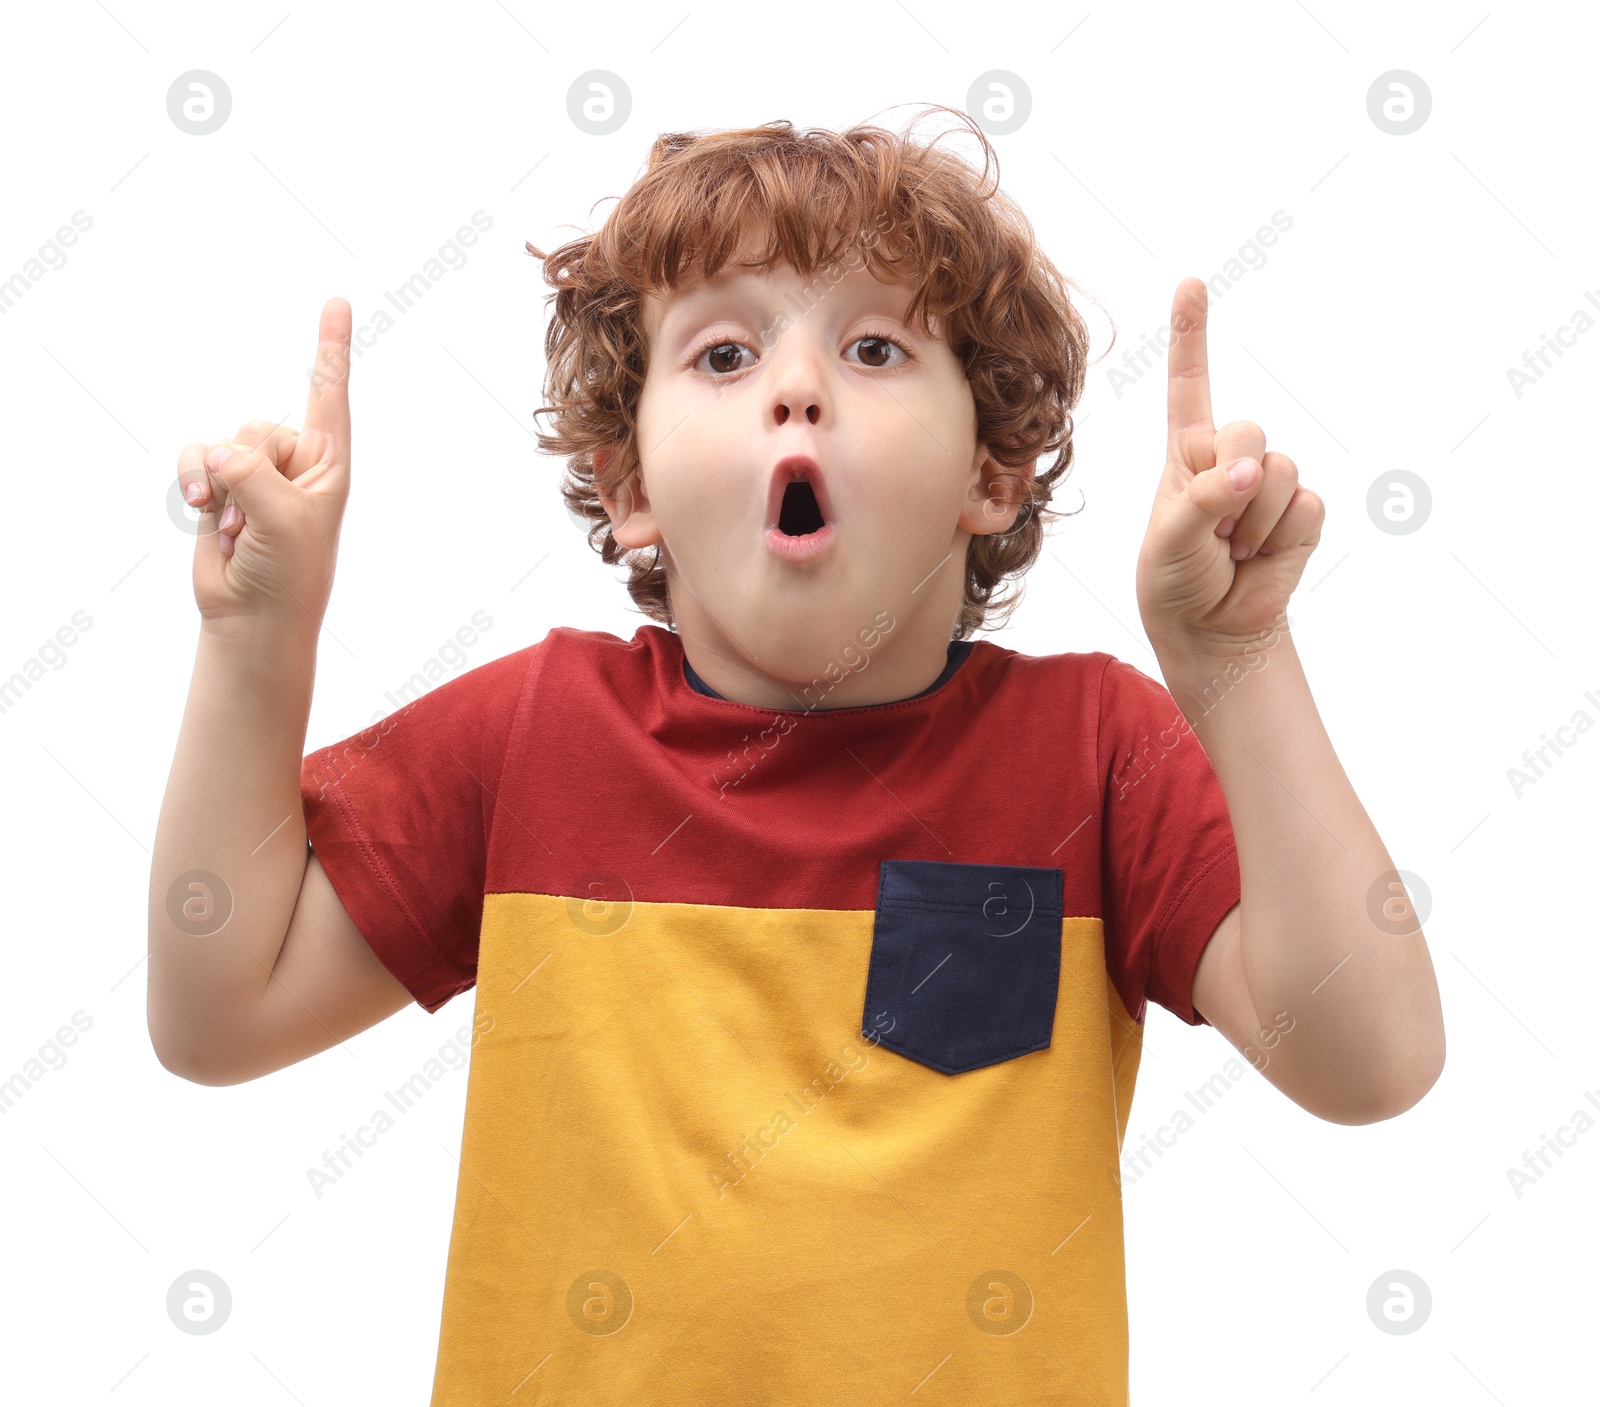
(812, 940)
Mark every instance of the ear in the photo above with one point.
(995, 496)
(632, 523)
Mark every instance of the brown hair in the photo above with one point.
(969, 253)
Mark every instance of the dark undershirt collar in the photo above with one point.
(956, 652)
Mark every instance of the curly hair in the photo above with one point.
(967, 251)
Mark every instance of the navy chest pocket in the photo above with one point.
(966, 962)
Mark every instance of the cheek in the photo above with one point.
(918, 455)
(679, 423)
(917, 492)
(696, 492)
(649, 416)
(907, 521)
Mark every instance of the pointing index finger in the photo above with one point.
(328, 402)
(1191, 437)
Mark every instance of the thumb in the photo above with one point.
(1210, 496)
(252, 479)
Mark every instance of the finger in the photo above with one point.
(247, 476)
(1299, 526)
(1185, 521)
(273, 436)
(276, 443)
(275, 440)
(229, 525)
(194, 483)
(1190, 433)
(1239, 439)
(328, 401)
(217, 454)
(1279, 480)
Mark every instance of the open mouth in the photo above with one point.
(799, 515)
(799, 519)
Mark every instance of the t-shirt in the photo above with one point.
(804, 1039)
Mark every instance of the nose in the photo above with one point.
(797, 389)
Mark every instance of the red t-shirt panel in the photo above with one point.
(399, 814)
(1169, 869)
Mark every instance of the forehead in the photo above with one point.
(736, 286)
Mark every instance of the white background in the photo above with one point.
(1377, 336)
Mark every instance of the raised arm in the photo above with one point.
(1323, 957)
(253, 961)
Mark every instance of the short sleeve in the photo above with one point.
(1169, 869)
(398, 815)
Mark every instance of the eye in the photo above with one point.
(720, 350)
(883, 341)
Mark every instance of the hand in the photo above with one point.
(1219, 559)
(277, 496)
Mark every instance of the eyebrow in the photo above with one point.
(705, 302)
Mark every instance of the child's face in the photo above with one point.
(891, 429)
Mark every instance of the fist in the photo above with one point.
(1232, 526)
(276, 499)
